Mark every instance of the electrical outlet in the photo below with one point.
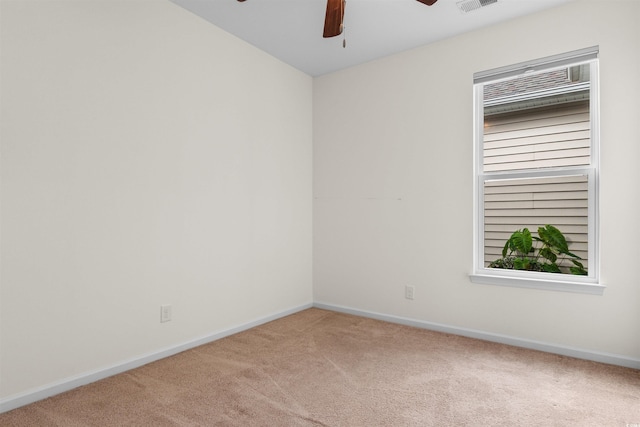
(165, 313)
(408, 292)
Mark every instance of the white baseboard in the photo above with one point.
(40, 393)
(612, 359)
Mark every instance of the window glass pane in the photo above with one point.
(515, 204)
(538, 120)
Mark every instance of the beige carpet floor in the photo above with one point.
(320, 368)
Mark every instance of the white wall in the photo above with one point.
(393, 181)
(148, 158)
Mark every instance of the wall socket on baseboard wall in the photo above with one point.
(409, 291)
(165, 313)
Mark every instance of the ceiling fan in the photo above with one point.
(334, 18)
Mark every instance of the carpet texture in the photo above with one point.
(320, 368)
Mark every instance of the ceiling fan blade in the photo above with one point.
(427, 2)
(334, 18)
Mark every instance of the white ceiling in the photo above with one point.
(291, 30)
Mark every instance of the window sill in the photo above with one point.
(535, 283)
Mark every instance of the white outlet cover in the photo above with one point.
(165, 313)
(408, 292)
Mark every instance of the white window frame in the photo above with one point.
(528, 279)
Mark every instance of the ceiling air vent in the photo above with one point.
(470, 5)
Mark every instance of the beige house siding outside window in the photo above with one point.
(537, 138)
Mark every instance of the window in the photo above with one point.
(536, 171)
